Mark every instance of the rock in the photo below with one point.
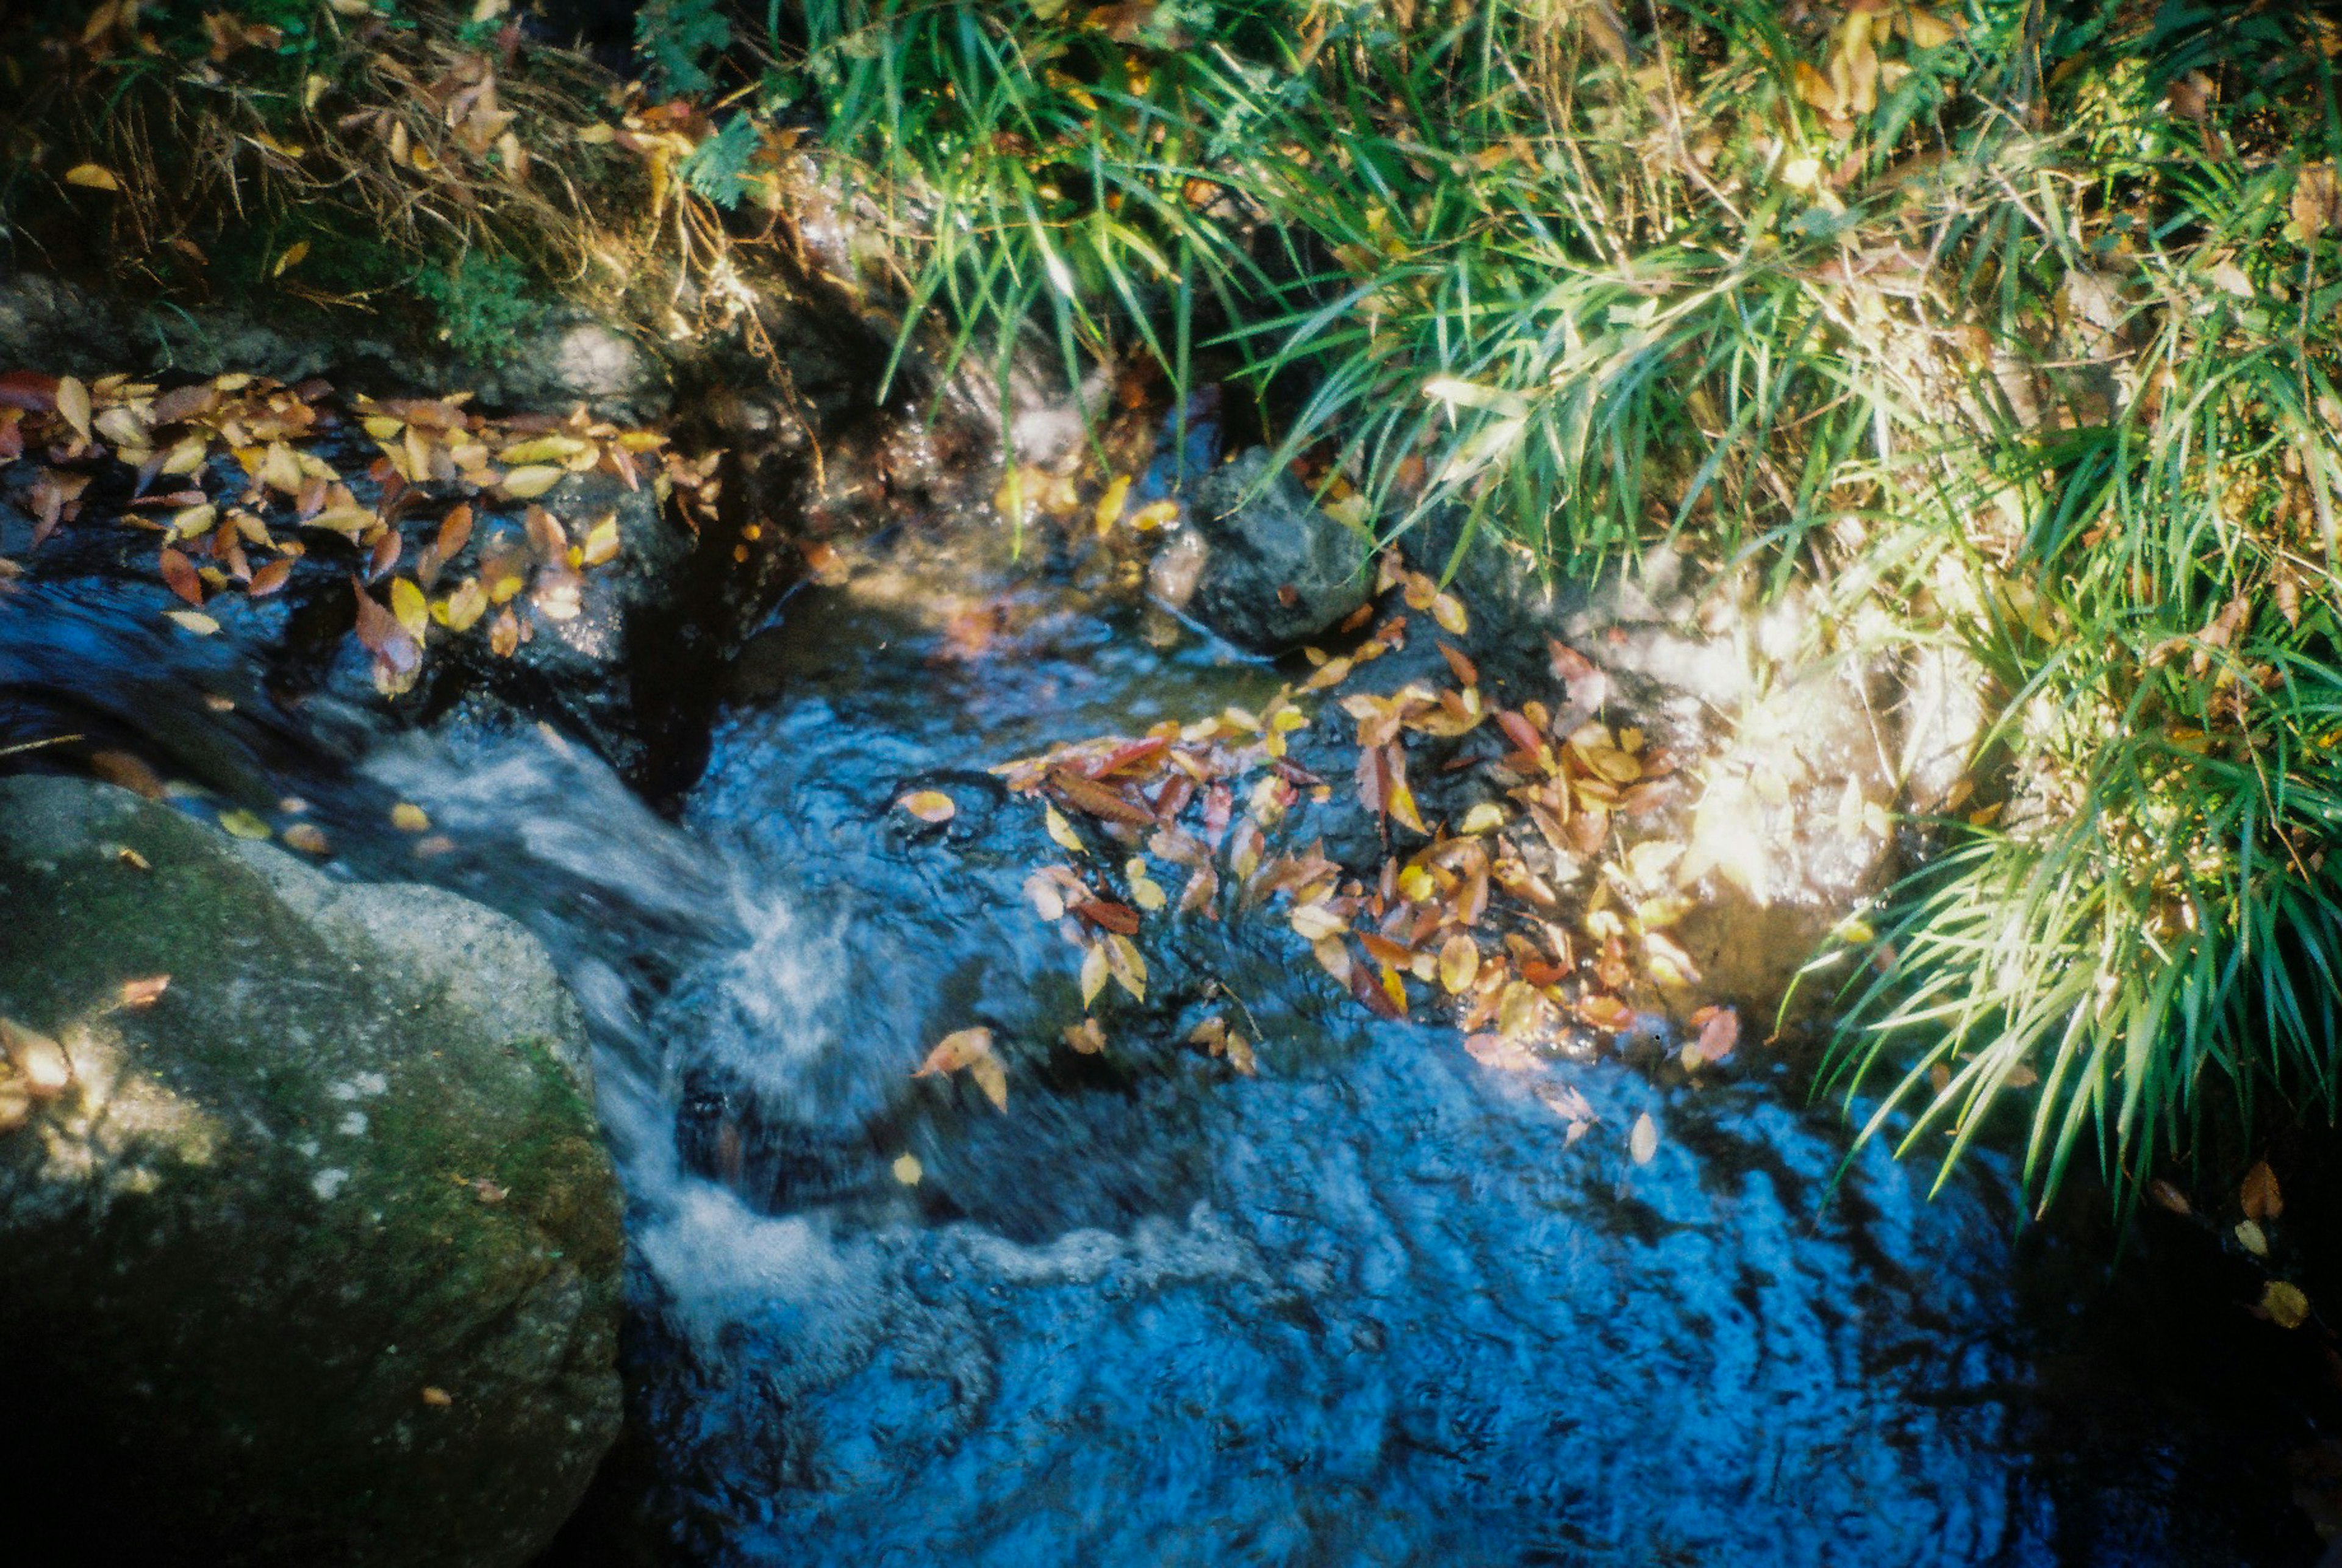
(1274, 570)
(315, 1257)
(569, 360)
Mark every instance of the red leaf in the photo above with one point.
(30, 391)
(1108, 915)
(384, 637)
(180, 574)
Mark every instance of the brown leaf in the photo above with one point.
(379, 631)
(179, 572)
(2259, 1195)
(1097, 800)
(1719, 1032)
(1107, 915)
(145, 992)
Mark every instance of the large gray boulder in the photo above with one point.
(313, 1257)
(1259, 563)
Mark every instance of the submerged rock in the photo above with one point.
(310, 1254)
(1260, 564)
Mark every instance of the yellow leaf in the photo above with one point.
(244, 825)
(1644, 1141)
(1415, 885)
(1094, 973)
(2285, 1304)
(2252, 1238)
(1162, 513)
(543, 449)
(527, 484)
(929, 805)
(291, 258)
(992, 1078)
(93, 177)
(907, 1170)
(602, 540)
(72, 404)
(1087, 1037)
(1109, 506)
(412, 609)
(308, 838)
(1316, 922)
(1459, 964)
(1486, 817)
(466, 605)
(1063, 832)
(1448, 611)
(958, 1049)
(408, 817)
(194, 621)
(1129, 968)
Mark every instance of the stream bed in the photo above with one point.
(1370, 1306)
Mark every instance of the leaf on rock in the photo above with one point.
(1459, 964)
(145, 992)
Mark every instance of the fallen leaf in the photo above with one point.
(408, 817)
(954, 1051)
(194, 621)
(2169, 1197)
(2286, 1306)
(2259, 1195)
(1719, 1032)
(145, 992)
(1459, 964)
(930, 806)
(2252, 1238)
(39, 1060)
(1128, 965)
(1094, 971)
(1087, 1037)
(527, 484)
(437, 1398)
(1063, 832)
(308, 838)
(244, 825)
(907, 1170)
(992, 1078)
(93, 177)
(1644, 1141)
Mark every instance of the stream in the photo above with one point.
(1369, 1306)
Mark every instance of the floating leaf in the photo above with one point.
(930, 806)
(1128, 966)
(242, 823)
(1644, 1141)
(1094, 971)
(1719, 1032)
(2252, 1238)
(2286, 1306)
(992, 1078)
(954, 1051)
(194, 621)
(408, 817)
(308, 838)
(907, 1169)
(1087, 1037)
(1063, 832)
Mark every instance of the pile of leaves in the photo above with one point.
(1466, 920)
(428, 509)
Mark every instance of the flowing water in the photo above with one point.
(1367, 1307)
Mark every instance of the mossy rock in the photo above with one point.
(316, 1258)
